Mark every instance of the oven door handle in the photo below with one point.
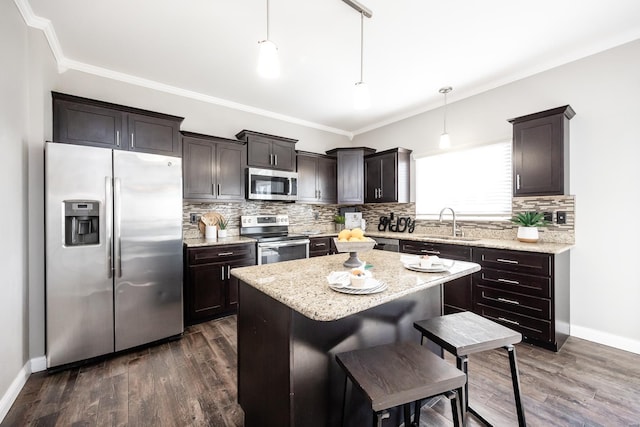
(283, 244)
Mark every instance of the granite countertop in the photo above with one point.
(514, 245)
(201, 241)
(302, 284)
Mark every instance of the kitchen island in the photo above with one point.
(291, 325)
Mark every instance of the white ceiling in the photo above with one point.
(207, 49)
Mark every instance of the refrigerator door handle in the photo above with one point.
(108, 210)
(116, 223)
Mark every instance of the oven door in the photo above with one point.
(271, 252)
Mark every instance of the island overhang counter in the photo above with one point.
(291, 325)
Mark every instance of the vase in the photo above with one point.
(210, 232)
(339, 227)
(528, 234)
(222, 233)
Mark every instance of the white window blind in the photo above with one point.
(475, 182)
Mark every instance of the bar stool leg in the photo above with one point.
(456, 408)
(515, 379)
(416, 414)
(344, 400)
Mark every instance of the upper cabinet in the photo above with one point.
(387, 176)
(213, 168)
(84, 121)
(541, 152)
(316, 178)
(269, 151)
(350, 185)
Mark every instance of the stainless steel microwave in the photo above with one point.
(267, 184)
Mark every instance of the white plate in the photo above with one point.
(437, 268)
(372, 286)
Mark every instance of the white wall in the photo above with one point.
(13, 214)
(604, 90)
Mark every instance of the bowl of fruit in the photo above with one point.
(353, 241)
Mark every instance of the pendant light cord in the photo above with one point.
(361, 45)
(445, 112)
(268, 20)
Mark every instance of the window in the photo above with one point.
(475, 182)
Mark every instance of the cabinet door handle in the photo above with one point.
(319, 194)
(228, 272)
(507, 261)
(218, 189)
(118, 138)
(380, 193)
(511, 282)
(271, 159)
(222, 273)
(517, 181)
(510, 301)
(275, 156)
(132, 141)
(225, 253)
(319, 244)
(513, 322)
(427, 251)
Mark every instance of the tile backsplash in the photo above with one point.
(305, 217)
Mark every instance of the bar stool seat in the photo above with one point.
(399, 374)
(465, 333)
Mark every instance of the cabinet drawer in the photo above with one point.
(521, 262)
(513, 282)
(223, 253)
(527, 326)
(462, 253)
(540, 308)
(319, 246)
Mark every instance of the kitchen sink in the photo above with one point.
(457, 238)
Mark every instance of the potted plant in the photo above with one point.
(339, 220)
(222, 226)
(528, 223)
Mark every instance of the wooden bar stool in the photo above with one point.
(399, 374)
(465, 333)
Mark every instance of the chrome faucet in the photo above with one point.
(453, 227)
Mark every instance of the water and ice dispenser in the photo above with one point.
(81, 222)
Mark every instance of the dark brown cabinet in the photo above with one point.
(387, 176)
(525, 291)
(209, 289)
(458, 292)
(541, 152)
(316, 178)
(350, 176)
(213, 168)
(84, 121)
(319, 246)
(269, 151)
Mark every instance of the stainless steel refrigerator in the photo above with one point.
(113, 250)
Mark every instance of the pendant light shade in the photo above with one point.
(361, 96)
(445, 141)
(268, 62)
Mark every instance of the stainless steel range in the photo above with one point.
(275, 244)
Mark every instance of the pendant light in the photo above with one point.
(445, 141)
(268, 63)
(361, 96)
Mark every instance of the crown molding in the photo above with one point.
(65, 64)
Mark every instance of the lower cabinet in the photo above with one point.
(457, 293)
(525, 291)
(209, 289)
(319, 246)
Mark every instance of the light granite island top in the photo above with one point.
(291, 325)
(302, 284)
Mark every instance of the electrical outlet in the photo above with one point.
(194, 218)
(548, 216)
(561, 217)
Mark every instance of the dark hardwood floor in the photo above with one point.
(192, 382)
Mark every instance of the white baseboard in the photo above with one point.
(14, 389)
(38, 364)
(605, 338)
